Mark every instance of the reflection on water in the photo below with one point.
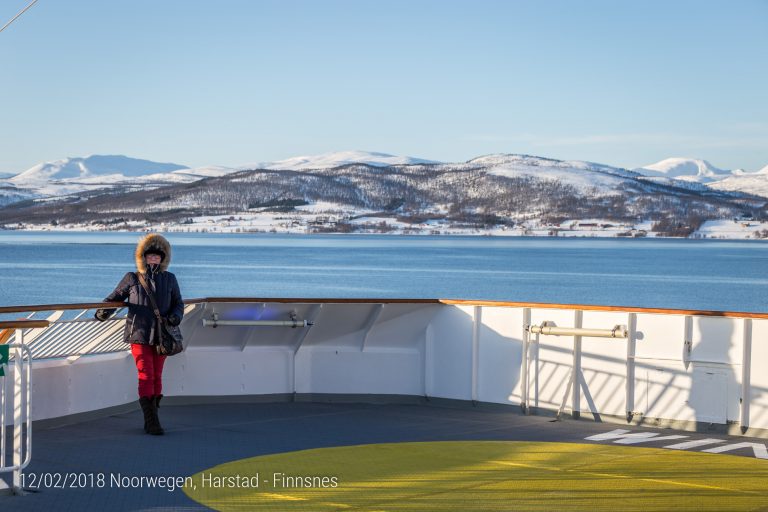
(43, 268)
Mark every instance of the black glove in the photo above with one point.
(103, 314)
(173, 320)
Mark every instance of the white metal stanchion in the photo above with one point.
(526, 348)
(21, 448)
(746, 375)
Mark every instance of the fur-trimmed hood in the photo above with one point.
(152, 241)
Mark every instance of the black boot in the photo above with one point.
(146, 408)
(151, 421)
(156, 402)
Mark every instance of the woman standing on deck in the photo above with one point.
(153, 255)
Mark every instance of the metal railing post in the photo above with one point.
(746, 375)
(476, 324)
(631, 347)
(17, 409)
(524, 374)
(21, 452)
(2, 426)
(576, 372)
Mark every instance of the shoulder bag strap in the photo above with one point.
(150, 295)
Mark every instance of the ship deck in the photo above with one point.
(397, 405)
(201, 436)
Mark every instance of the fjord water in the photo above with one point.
(54, 268)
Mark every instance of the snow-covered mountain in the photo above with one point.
(10, 194)
(94, 166)
(79, 174)
(336, 159)
(501, 191)
(700, 175)
(75, 175)
(741, 181)
(585, 176)
(117, 173)
(686, 169)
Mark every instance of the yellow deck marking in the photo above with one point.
(617, 475)
(282, 496)
(483, 476)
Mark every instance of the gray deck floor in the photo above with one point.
(201, 436)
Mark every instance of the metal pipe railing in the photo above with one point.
(257, 323)
(618, 331)
(292, 322)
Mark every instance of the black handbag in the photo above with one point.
(171, 341)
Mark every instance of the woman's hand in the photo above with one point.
(173, 320)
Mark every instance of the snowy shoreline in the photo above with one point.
(249, 223)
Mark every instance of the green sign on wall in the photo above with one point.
(3, 358)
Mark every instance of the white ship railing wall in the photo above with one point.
(15, 385)
(683, 368)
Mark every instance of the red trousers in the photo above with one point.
(149, 365)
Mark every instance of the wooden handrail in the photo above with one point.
(24, 324)
(455, 302)
(293, 300)
(618, 309)
(488, 303)
(63, 307)
(5, 335)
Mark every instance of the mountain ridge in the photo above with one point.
(334, 192)
(501, 190)
(94, 170)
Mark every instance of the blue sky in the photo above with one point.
(238, 81)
